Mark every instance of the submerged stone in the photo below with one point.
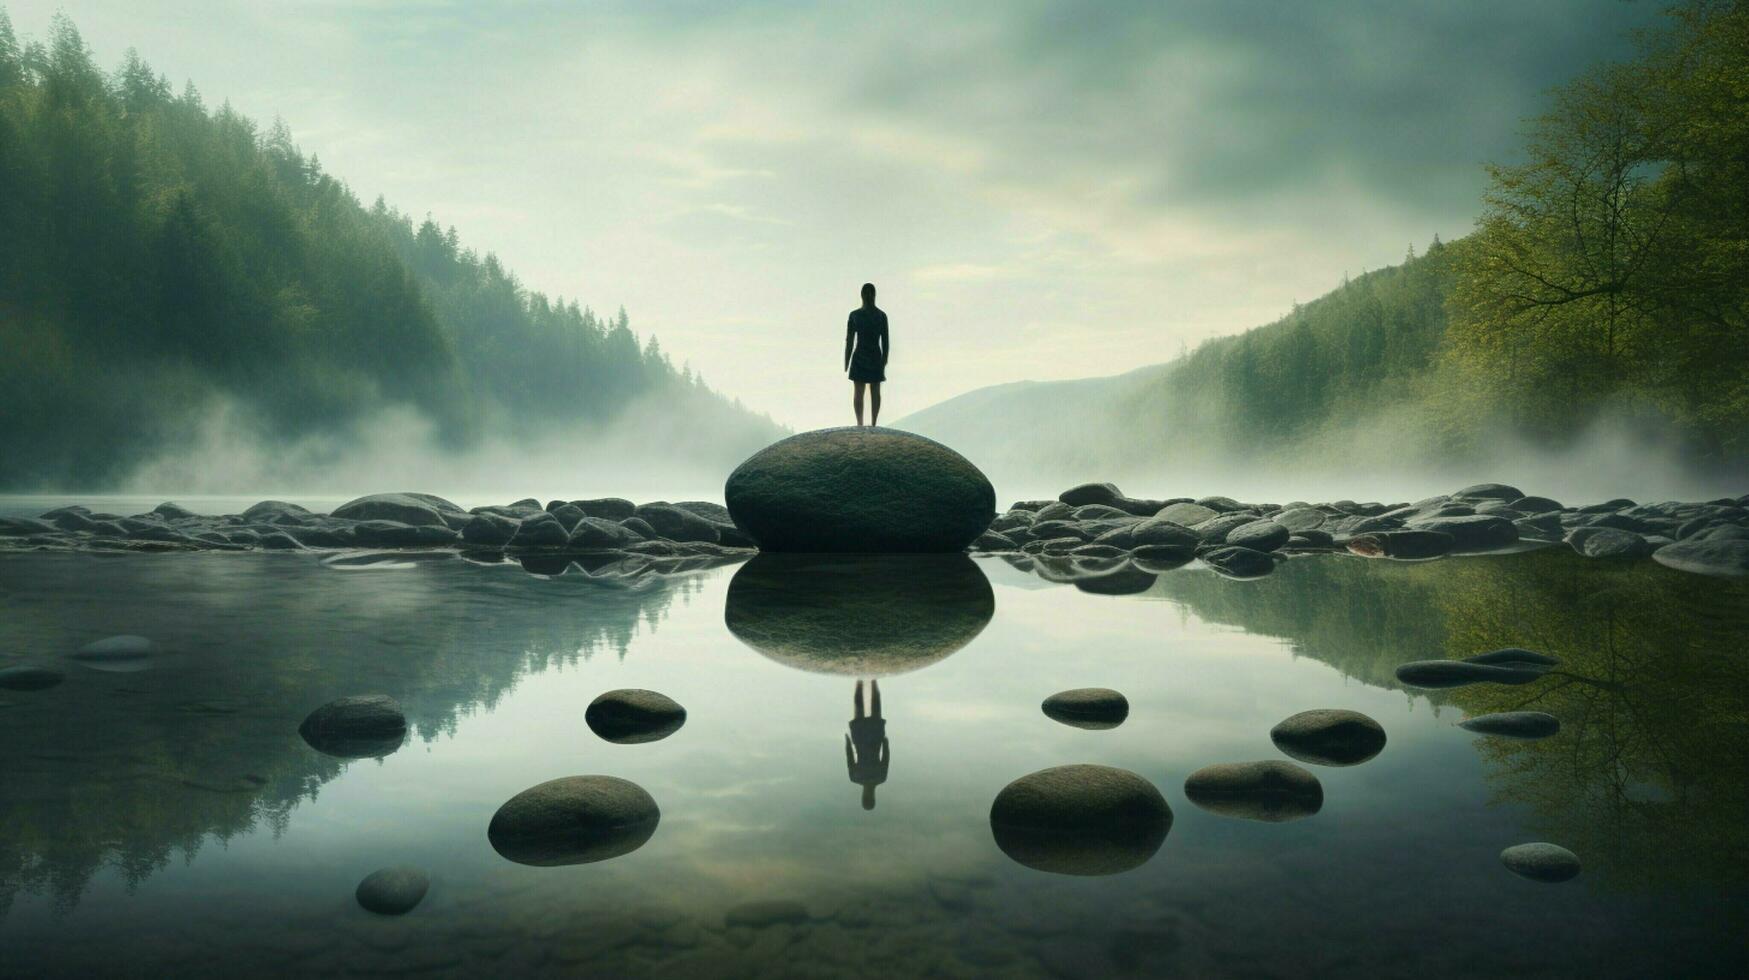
(29, 678)
(860, 489)
(861, 615)
(1514, 724)
(1329, 737)
(574, 820)
(1541, 861)
(1088, 707)
(356, 727)
(632, 715)
(1269, 791)
(123, 647)
(392, 891)
(1080, 820)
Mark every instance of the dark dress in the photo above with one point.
(866, 334)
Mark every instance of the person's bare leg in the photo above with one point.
(856, 400)
(874, 390)
(874, 703)
(859, 699)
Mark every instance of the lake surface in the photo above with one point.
(171, 821)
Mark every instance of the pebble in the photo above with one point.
(1541, 861)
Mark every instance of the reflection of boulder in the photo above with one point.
(1080, 820)
(863, 615)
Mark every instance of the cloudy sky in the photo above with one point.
(1040, 190)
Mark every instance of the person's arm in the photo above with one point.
(886, 344)
(849, 339)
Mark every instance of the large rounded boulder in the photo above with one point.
(860, 489)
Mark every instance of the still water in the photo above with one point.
(170, 820)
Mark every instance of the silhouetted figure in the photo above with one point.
(865, 749)
(866, 347)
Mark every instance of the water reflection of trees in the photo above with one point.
(1645, 779)
(131, 770)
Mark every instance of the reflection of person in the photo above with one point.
(865, 749)
(865, 336)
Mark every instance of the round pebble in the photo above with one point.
(632, 715)
(1541, 861)
(393, 891)
(1329, 737)
(1088, 707)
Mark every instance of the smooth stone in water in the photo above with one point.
(29, 678)
(1091, 493)
(393, 891)
(1472, 532)
(860, 489)
(1263, 535)
(540, 531)
(417, 509)
(490, 529)
(601, 534)
(1088, 707)
(118, 653)
(1270, 791)
(1541, 861)
(1724, 557)
(1236, 562)
(356, 727)
(677, 523)
(1186, 514)
(1123, 579)
(1514, 724)
(1329, 737)
(1080, 820)
(574, 820)
(1402, 545)
(607, 508)
(632, 715)
(1457, 673)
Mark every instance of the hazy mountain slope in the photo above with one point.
(175, 281)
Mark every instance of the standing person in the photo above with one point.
(866, 348)
(866, 753)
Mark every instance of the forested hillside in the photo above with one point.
(161, 260)
(1607, 280)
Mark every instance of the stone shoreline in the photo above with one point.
(1097, 523)
(1092, 528)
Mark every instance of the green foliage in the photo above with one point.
(162, 259)
(1611, 267)
(1644, 777)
